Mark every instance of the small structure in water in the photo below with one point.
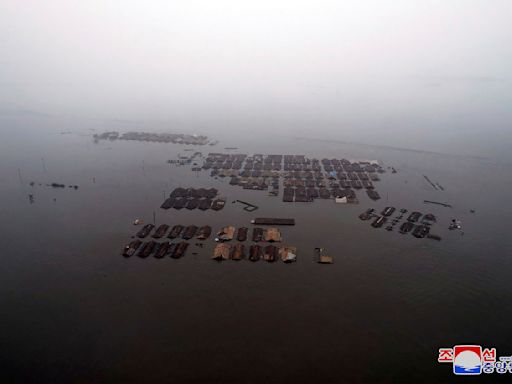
(367, 215)
(323, 258)
(341, 200)
(144, 232)
(388, 211)
(205, 204)
(221, 252)
(131, 248)
(257, 234)
(226, 234)
(273, 235)
(189, 232)
(272, 221)
(428, 219)
(162, 250)
(455, 224)
(270, 253)
(204, 232)
(421, 231)
(288, 254)
(406, 227)
(160, 231)
(147, 249)
(238, 252)
(179, 192)
(218, 204)
(192, 204)
(248, 206)
(438, 203)
(379, 221)
(242, 234)
(180, 250)
(254, 252)
(180, 203)
(175, 231)
(414, 217)
(168, 203)
(372, 194)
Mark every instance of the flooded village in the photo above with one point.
(183, 228)
(274, 192)
(286, 181)
(288, 178)
(176, 138)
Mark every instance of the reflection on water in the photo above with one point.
(74, 308)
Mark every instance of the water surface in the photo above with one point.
(75, 310)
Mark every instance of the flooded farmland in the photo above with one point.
(67, 291)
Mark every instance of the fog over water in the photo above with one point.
(422, 86)
(422, 74)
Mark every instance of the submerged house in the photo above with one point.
(226, 233)
(273, 235)
(288, 254)
(221, 252)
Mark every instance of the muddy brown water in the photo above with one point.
(75, 310)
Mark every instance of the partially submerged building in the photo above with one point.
(221, 252)
(273, 235)
(288, 254)
(226, 233)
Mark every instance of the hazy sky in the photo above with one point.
(313, 59)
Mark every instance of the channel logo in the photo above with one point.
(474, 360)
(467, 360)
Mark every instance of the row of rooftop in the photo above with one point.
(222, 251)
(176, 138)
(227, 233)
(290, 159)
(290, 167)
(416, 222)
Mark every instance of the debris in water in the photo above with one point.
(248, 206)
(455, 224)
(322, 258)
(438, 203)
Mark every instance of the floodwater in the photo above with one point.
(75, 310)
